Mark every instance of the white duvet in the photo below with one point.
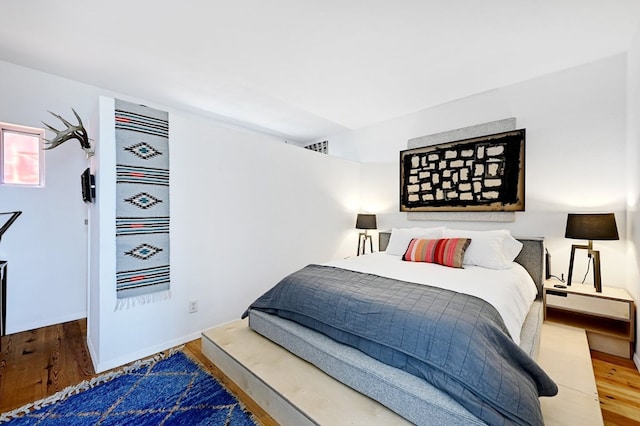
(511, 291)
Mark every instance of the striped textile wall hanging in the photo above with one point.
(142, 204)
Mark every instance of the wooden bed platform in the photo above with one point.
(295, 392)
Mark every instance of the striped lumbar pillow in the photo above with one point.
(444, 251)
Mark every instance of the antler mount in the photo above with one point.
(72, 131)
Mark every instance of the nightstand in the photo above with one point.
(607, 317)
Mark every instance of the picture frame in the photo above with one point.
(484, 173)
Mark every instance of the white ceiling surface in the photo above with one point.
(306, 69)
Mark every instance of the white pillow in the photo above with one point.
(512, 248)
(401, 237)
(490, 249)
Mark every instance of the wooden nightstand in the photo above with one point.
(607, 317)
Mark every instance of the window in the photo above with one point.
(21, 159)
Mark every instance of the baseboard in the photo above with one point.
(636, 360)
(101, 366)
(92, 353)
(48, 322)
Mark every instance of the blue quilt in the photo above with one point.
(456, 342)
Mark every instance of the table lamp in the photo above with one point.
(590, 226)
(366, 222)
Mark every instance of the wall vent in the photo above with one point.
(322, 147)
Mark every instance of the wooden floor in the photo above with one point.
(38, 363)
(618, 383)
(41, 362)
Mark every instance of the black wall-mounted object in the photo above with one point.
(547, 263)
(88, 182)
(547, 269)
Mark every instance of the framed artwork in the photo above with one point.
(479, 174)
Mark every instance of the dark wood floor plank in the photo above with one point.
(76, 332)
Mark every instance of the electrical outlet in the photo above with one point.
(193, 306)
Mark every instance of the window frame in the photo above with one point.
(29, 131)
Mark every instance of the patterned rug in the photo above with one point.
(171, 391)
(142, 204)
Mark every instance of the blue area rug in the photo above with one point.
(173, 391)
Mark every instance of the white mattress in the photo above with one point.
(511, 291)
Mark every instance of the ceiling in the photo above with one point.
(307, 69)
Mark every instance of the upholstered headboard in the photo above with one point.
(531, 256)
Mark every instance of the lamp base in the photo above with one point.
(362, 242)
(595, 255)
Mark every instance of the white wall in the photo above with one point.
(633, 176)
(575, 147)
(46, 247)
(245, 211)
(231, 188)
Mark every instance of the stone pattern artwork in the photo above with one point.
(478, 174)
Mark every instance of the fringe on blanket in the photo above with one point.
(86, 385)
(130, 302)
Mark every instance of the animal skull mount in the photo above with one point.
(71, 132)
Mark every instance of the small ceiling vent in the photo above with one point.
(322, 147)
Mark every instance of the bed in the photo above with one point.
(392, 376)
